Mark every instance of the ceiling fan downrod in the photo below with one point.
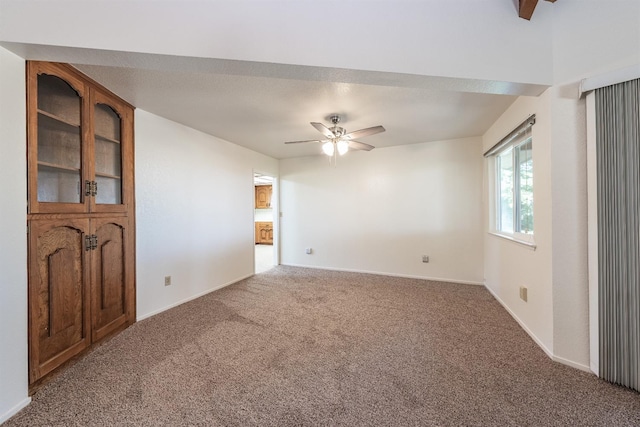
(337, 130)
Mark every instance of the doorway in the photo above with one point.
(264, 222)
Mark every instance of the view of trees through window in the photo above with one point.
(524, 159)
(514, 179)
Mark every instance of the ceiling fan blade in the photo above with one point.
(363, 132)
(357, 145)
(323, 129)
(308, 140)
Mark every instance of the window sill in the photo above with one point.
(529, 245)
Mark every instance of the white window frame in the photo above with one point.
(521, 135)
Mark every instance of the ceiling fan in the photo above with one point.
(338, 141)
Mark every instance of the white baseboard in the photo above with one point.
(191, 298)
(522, 324)
(571, 363)
(382, 273)
(533, 336)
(17, 408)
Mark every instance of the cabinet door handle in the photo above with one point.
(90, 188)
(90, 242)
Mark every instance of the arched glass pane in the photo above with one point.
(59, 141)
(108, 155)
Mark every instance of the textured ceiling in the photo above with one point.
(261, 113)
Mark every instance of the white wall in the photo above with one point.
(376, 35)
(509, 265)
(13, 236)
(594, 36)
(569, 218)
(263, 215)
(556, 273)
(194, 211)
(380, 211)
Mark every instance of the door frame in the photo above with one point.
(275, 206)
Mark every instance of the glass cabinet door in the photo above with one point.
(59, 141)
(111, 155)
(80, 140)
(56, 133)
(108, 155)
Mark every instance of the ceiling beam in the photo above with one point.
(526, 8)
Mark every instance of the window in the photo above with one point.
(512, 160)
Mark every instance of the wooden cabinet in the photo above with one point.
(80, 144)
(264, 233)
(112, 301)
(263, 196)
(80, 214)
(58, 275)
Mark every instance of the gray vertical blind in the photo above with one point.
(618, 170)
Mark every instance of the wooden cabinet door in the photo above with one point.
(112, 279)
(264, 233)
(263, 196)
(111, 154)
(57, 135)
(58, 294)
(270, 234)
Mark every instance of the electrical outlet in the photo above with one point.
(425, 258)
(167, 280)
(308, 251)
(523, 293)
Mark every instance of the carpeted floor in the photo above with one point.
(296, 346)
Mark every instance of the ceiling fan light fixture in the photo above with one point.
(328, 148)
(337, 141)
(343, 147)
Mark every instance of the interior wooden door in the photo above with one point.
(58, 295)
(112, 287)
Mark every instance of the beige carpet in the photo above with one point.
(295, 346)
